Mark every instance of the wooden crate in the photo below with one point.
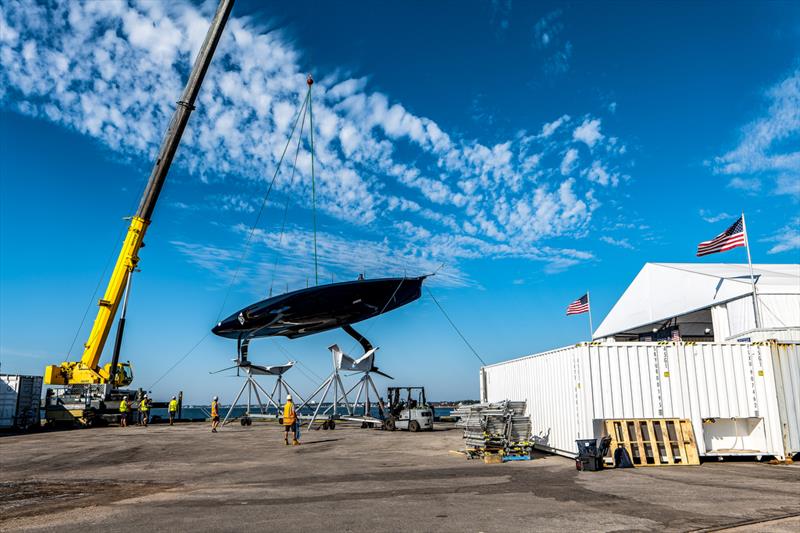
(654, 441)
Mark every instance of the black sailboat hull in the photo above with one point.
(322, 308)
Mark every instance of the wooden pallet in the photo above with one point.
(654, 441)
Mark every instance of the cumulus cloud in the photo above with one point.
(550, 127)
(768, 149)
(113, 70)
(621, 243)
(588, 132)
(786, 239)
(712, 218)
(568, 163)
(748, 185)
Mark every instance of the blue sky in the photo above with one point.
(536, 150)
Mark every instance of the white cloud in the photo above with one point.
(550, 127)
(588, 132)
(786, 239)
(712, 218)
(112, 71)
(568, 163)
(748, 185)
(769, 145)
(621, 243)
(598, 174)
(789, 185)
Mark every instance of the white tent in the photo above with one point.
(707, 300)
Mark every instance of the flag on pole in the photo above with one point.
(581, 305)
(732, 237)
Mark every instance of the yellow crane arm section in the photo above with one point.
(86, 371)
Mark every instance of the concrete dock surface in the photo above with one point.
(184, 478)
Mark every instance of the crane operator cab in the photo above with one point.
(408, 409)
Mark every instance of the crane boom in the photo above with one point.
(86, 371)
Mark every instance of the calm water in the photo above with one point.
(204, 412)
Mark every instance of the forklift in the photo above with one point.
(408, 409)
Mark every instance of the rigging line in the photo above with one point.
(454, 326)
(294, 358)
(179, 361)
(313, 181)
(260, 211)
(114, 248)
(94, 293)
(247, 243)
(286, 205)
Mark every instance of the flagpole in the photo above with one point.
(756, 310)
(589, 304)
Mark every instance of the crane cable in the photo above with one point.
(463, 338)
(310, 82)
(261, 210)
(247, 242)
(286, 203)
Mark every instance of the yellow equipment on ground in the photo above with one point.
(89, 385)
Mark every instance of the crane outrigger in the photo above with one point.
(91, 389)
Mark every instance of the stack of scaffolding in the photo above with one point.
(495, 428)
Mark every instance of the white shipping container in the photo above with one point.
(20, 400)
(742, 398)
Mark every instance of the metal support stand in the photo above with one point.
(339, 394)
(364, 385)
(252, 387)
(365, 366)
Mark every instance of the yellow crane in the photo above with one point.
(88, 371)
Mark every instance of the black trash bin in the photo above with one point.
(591, 453)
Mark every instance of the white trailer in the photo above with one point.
(742, 398)
(20, 400)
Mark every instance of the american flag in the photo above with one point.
(581, 305)
(732, 237)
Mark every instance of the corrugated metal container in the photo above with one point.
(786, 363)
(728, 390)
(20, 400)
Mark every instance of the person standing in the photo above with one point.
(290, 422)
(214, 414)
(123, 412)
(173, 410)
(144, 410)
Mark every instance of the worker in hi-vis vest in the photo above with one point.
(214, 414)
(144, 411)
(290, 422)
(123, 412)
(173, 410)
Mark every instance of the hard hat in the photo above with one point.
(173, 397)
(215, 398)
(288, 396)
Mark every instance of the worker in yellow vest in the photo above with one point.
(173, 410)
(123, 412)
(290, 422)
(214, 414)
(144, 410)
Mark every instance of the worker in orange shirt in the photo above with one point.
(214, 414)
(290, 422)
